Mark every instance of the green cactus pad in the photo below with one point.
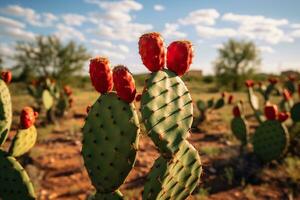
(110, 140)
(239, 129)
(14, 181)
(290, 85)
(117, 195)
(23, 141)
(5, 111)
(175, 179)
(270, 140)
(295, 112)
(167, 110)
(47, 99)
(219, 104)
(201, 105)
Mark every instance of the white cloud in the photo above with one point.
(296, 33)
(17, 33)
(116, 21)
(253, 19)
(107, 48)
(4, 21)
(158, 7)
(73, 19)
(6, 50)
(217, 46)
(202, 16)
(30, 16)
(171, 31)
(266, 49)
(257, 27)
(209, 32)
(67, 32)
(296, 26)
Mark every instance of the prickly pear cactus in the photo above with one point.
(174, 179)
(117, 195)
(14, 181)
(23, 141)
(239, 129)
(47, 99)
(295, 112)
(110, 139)
(5, 111)
(110, 132)
(239, 124)
(270, 140)
(167, 112)
(254, 103)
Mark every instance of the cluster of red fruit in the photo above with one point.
(152, 51)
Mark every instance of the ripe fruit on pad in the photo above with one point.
(230, 99)
(179, 56)
(27, 117)
(249, 83)
(282, 116)
(237, 111)
(101, 74)
(6, 76)
(271, 112)
(152, 51)
(273, 80)
(67, 90)
(124, 83)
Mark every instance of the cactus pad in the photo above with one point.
(23, 141)
(239, 129)
(110, 138)
(14, 181)
(117, 195)
(295, 112)
(47, 99)
(219, 104)
(5, 111)
(174, 179)
(270, 140)
(167, 110)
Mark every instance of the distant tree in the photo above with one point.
(1, 62)
(237, 60)
(47, 56)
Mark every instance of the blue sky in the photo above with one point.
(112, 28)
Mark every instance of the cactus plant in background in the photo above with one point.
(111, 129)
(15, 182)
(239, 125)
(271, 138)
(51, 97)
(167, 113)
(5, 106)
(204, 107)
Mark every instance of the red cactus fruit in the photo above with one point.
(249, 83)
(179, 56)
(282, 116)
(236, 111)
(27, 118)
(273, 80)
(271, 112)
(286, 94)
(152, 51)
(124, 83)
(138, 97)
(6, 76)
(68, 90)
(101, 74)
(230, 99)
(224, 94)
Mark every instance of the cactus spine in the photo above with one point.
(167, 112)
